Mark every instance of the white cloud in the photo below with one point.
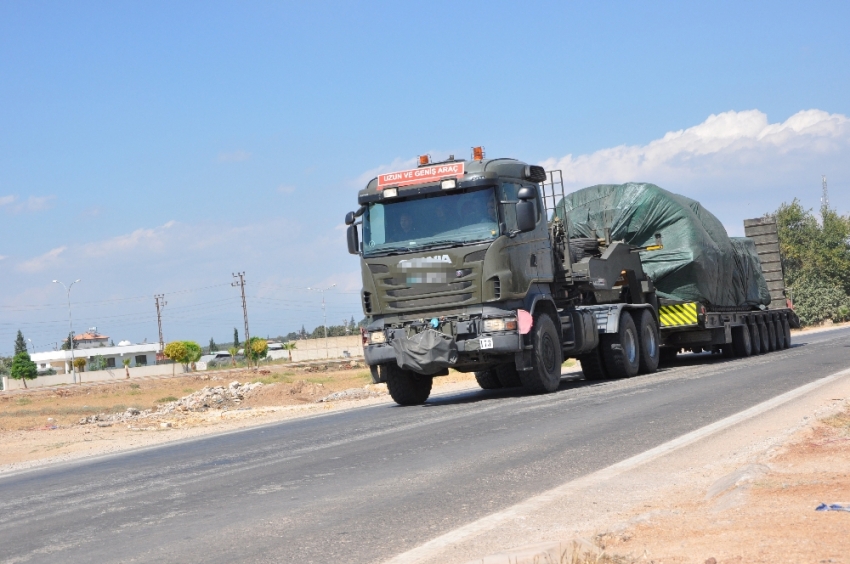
(234, 157)
(724, 143)
(39, 263)
(286, 189)
(31, 204)
(149, 239)
(3, 257)
(397, 164)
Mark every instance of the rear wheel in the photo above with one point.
(650, 353)
(765, 336)
(545, 375)
(786, 328)
(487, 379)
(741, 342)
(780, 334)
(620, 350)
(405, 386)
(755, 337)
(508, 376)
(592, 365)
(771, 334)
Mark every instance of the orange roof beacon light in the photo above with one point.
(424, 160)
(478, 153)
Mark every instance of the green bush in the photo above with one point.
(816, 300)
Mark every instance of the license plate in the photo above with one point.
(486, 343)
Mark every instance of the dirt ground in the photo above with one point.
(760, 513)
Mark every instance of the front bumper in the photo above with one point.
(470, 349)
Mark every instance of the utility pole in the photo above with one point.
(160, 304)
(241, 284)
(324, 316)
(824, 199)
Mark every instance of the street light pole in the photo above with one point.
(70, 326)
(324, 315)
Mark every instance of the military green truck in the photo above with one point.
(469, 265)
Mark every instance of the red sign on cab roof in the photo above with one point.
(420, 175)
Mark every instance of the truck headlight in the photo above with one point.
(500, 324)
(377, 337)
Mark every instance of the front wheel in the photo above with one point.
(405, 386)
(487, 379)
(545, 375)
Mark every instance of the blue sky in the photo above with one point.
(158, 147)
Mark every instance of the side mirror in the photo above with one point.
(349, 218)
(353, 240)
(525, 193)
(526, 215)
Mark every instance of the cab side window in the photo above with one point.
(508, 192)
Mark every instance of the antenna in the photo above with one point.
(824, 199)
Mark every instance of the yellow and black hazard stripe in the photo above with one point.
(678, 315)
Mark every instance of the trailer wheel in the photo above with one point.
(487, 379)
(786, 328)
(592, 365)
(545, 376)
(780, 334)
(650, 353)
(765, 336)
(621, 350)
(755, 337)
(508, 375)
(405, 386)
(741, 341)
(771, 334)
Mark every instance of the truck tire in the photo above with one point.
(780, 334)
(405, 386)
(592, 365)
(487, 379)
(765, 336)
(668, 355)
(786, 328)
(508, 375)
(771, 334)
(545, 376)
(755, 337)
(741, 342)
(650, 350)
(621, 350)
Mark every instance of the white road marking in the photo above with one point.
(433, 547)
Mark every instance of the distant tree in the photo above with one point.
(176, 351)
(20, 343)
(97, 363)
(111, 343)
(816, 262)
(213, 346)
(233, 352)
(193, 353)
(289, 346)
(303, 333)
(23, 368)
(256, 348)
(66, 344)
(126, 363)
(235, 338)
(80, 364)
(5, 364)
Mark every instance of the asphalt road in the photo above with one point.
(370, 483)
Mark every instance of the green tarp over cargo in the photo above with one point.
(699, 262)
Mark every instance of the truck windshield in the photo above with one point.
(434, 220)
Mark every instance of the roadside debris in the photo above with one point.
(218, 397)
(367, 391)
(833, 507)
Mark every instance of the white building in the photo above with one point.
(60, 361)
